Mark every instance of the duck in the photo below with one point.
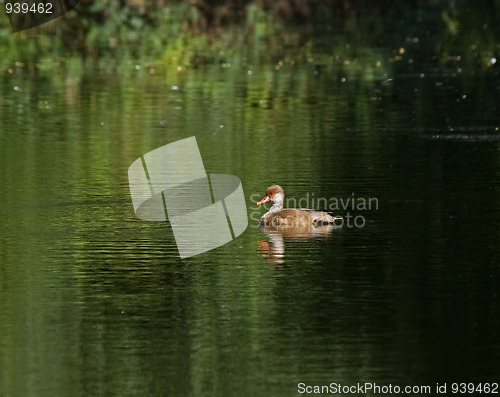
(294, 217)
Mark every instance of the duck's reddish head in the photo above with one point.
(273, 193)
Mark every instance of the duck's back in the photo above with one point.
(296, 217)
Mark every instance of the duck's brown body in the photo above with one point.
(296, 217)
(278, 216)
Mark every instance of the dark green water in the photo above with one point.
(94, 301)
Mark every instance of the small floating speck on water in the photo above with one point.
(163, 123)
(343, 80)
(175, 88)
(421, 75)
(137, 67)
(249, 72)
(102, 123)
(465, 137)
(221, 126)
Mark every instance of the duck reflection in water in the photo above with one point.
(290, 224)
(274, 250)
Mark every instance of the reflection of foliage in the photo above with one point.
(451, 22)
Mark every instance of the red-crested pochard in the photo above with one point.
(277, 216)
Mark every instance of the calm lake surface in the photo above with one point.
(94, 301)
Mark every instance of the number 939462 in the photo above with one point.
(472, 388)
(27, 8)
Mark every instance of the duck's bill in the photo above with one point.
(264, 200)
